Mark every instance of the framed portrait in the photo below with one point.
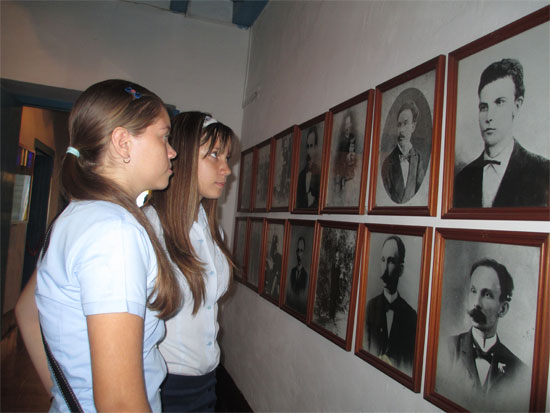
(245, 181)
(336, 274)
(489, 324)
(253, 260)
(497, 147)
(240, 247)
(299, 247)
(308, 166)
(272, 252)
(283, 145)
(348, 140)
(393, 301)
(406, 142)
(262, 173)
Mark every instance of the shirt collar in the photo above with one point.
(390, 297)
(202, 220)
(503, 157)
(407, 146)
(484, 344)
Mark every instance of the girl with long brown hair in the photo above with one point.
(184, 216)
(103, 282)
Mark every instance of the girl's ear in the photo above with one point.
(121, 142)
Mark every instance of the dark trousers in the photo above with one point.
(189, 393)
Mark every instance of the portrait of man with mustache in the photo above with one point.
(404, 168)
(480, 363)
(390, 320)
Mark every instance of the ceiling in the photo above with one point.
(241, 13)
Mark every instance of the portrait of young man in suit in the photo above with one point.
(390, 320)
(309, 179)
(296, 290)
(505, 174)
(404, 169)
(482, 367)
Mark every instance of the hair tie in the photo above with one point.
(208, 120)
(133, 92)
(73, 151)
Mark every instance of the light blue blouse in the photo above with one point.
(99, 260)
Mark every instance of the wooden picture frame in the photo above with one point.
(240, 247)
(407, 118)
(335, 277)
(309, 147)
(246, 181)
(344, 180)
(516, 136)
(299, 249)
(399, 353)
(273, 259)
(254, 264)
(280, 193)
(473, 270)
(262, 176)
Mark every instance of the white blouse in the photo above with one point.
(190, 347)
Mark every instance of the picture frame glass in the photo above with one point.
(507, 383)
(298, 270)
(253, 268)
(390, 335)
(240, 247)
(309, 166)
(346, 156)
(282, 172)
(527, 125)
(246, 180)
(334, 281)
(262, 177)
(405, 144)
(273, 259)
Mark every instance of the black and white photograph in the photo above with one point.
(245, 187)
(348, 155)
(273, 266)
(310, 160)
(261, 172)
(391, 304)
(282, 169)
(487, 296)
(336, 281)
(253, 268)
(406, 141)
(298, 268)
(239, 245)
(498, 148)
(406, 146)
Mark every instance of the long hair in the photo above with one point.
(100, 109)
(178, 205)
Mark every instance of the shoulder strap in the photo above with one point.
(62, 383)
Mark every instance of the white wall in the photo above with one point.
(305, 58)
(191, 64)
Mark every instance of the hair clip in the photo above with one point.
(133, 92)
(73, 151)
(208, 120)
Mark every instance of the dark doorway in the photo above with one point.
(38, 208)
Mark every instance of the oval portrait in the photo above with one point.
(406, 145)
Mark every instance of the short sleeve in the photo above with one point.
(113, 268)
